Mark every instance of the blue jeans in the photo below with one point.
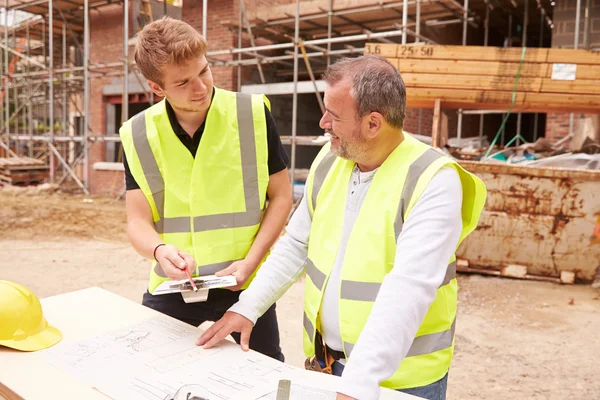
(433, 391)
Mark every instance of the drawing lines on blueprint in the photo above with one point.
(156, 358)
(133, 339)
(229, 382)
(182, 358)
(148, 391)
(256, 369)
(80, 352)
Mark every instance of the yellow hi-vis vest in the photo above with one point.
(370, 253)
(209, 206)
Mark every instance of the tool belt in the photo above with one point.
(324, 357)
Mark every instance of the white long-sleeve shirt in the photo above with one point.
(428, 239)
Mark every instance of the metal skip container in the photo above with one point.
(543, 220)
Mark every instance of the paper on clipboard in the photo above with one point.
(202, 282)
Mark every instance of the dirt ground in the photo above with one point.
(514, 339)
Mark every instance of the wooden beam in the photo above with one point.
(443, 128)
(501, 83)
(489, 68)
(480, 53)
(493, 100)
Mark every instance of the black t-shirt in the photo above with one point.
(277, 157)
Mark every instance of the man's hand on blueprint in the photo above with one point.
(231, 322)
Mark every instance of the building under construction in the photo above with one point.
(506, 87)
(69, 80)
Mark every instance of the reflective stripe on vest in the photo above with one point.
(253, 212)
(367, 291)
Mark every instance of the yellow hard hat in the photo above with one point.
(22, 322)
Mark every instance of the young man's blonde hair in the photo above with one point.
(166, 41)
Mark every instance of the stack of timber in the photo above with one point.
(476, 77)
(20, 171)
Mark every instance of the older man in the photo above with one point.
(376, 233)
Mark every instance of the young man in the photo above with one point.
(199, 167)
(376, 234)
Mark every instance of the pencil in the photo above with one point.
(190, 278)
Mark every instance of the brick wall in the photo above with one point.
(557, 125)
(106, 45)
(411, 121)
(218, 36)
(107, 183)
(563, 34)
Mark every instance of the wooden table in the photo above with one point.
(80, 315)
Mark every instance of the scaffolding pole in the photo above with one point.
(418, 21)
(64, 88)
(464, 43)
(6, 71)
(586, 25)
(86, 95)
(2, 62)
(523, 44)
(575, 46)
(418, 40)
(295, 96)
(251, 36)
(204, 16)
(329, 22)
(404, 20)
(239, 56)
(541, 43)
(125, 101)
(30, 94)
(486, 26)
(51, 84)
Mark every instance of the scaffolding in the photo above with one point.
(316, 34)
(47, 103)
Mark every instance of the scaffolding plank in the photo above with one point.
(284, 11)
(283, 88)
(494, 100)
(16, 161)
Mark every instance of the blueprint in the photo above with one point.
(156, 358)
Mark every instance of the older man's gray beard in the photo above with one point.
(356, 151)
